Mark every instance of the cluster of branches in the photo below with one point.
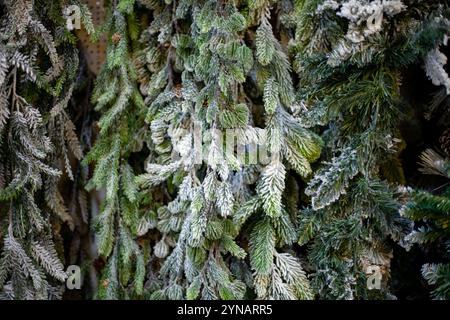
(38, 68)
(315, 82)
(195, 62)
(352, 55)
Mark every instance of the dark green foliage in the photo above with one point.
(430, 213)
(352, 76)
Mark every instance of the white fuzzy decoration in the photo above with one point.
(434, 67)
(369, 13)
(353, 10)
(365, 19)
(329, 4)
(354, 35)
(393, 7)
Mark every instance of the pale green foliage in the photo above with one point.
(331, 182)
(121, 128)
(262, 247)
(265, 41)
(271, 188)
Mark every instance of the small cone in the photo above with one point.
(445, 142)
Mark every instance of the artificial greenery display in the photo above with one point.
(244, 149)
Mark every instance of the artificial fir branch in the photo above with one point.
(36, 134)
(235, 150)
(352, 55)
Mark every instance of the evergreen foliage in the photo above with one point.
(352, 55)
(430, 213)
(121, 125)
(235, 149)
(198, 59)
(38, 69)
